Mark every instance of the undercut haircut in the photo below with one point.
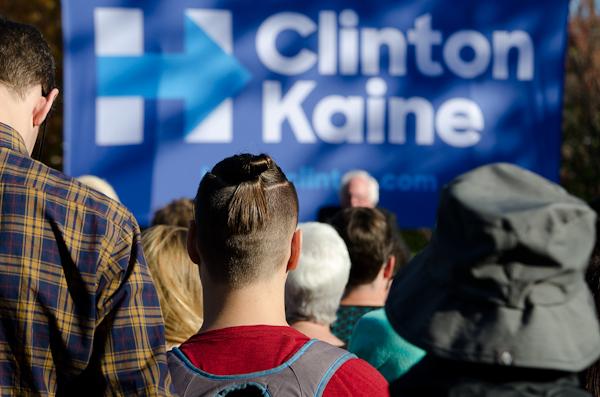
(246, 212)
(25, 58)
(369, 240)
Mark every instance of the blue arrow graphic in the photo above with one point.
(203, 75)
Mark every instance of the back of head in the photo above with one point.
(177, 281)
(26, 59)
(177, 213)
(369, 240)
(246, 212)
(314, 290)
(100, 185)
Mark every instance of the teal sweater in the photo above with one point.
(375, 341)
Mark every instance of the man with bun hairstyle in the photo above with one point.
(245, 236)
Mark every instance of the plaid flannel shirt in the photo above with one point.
(79, 314)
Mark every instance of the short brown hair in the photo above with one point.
(177, 213)
(246, 212)
(25, 59)
(369, 240)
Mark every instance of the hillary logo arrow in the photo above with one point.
(204, 75)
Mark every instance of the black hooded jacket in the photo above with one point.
(437, 377)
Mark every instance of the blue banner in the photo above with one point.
(415, 92)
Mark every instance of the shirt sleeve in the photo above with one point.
(357, 378)
(129, 343)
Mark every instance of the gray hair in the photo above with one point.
(314, 290)
(99, 185)
(373, 184)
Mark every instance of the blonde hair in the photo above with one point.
(177, 281)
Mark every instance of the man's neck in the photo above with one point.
(261, 303)
(365, 295)
(317, 331)
(13, 112)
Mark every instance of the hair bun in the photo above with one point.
(255, 166)
(242, 168)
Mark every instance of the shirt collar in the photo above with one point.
(10, 138)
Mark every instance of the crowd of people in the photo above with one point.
(228, 295)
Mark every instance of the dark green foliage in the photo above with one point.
(580, 171)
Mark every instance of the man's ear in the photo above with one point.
(192, 247)
(296, 247)
(43, 106)
(388, 268)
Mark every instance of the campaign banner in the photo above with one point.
(414, 92)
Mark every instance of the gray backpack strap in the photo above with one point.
(317, 365)
(305, 374)
(181, 373)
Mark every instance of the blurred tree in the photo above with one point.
(580, 171)
(45, 15)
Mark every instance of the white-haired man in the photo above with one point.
(314, 290)
(359, 189)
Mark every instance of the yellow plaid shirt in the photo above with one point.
(79, 314)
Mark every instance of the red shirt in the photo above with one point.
(246, 349)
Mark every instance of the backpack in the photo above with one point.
(305, 374)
